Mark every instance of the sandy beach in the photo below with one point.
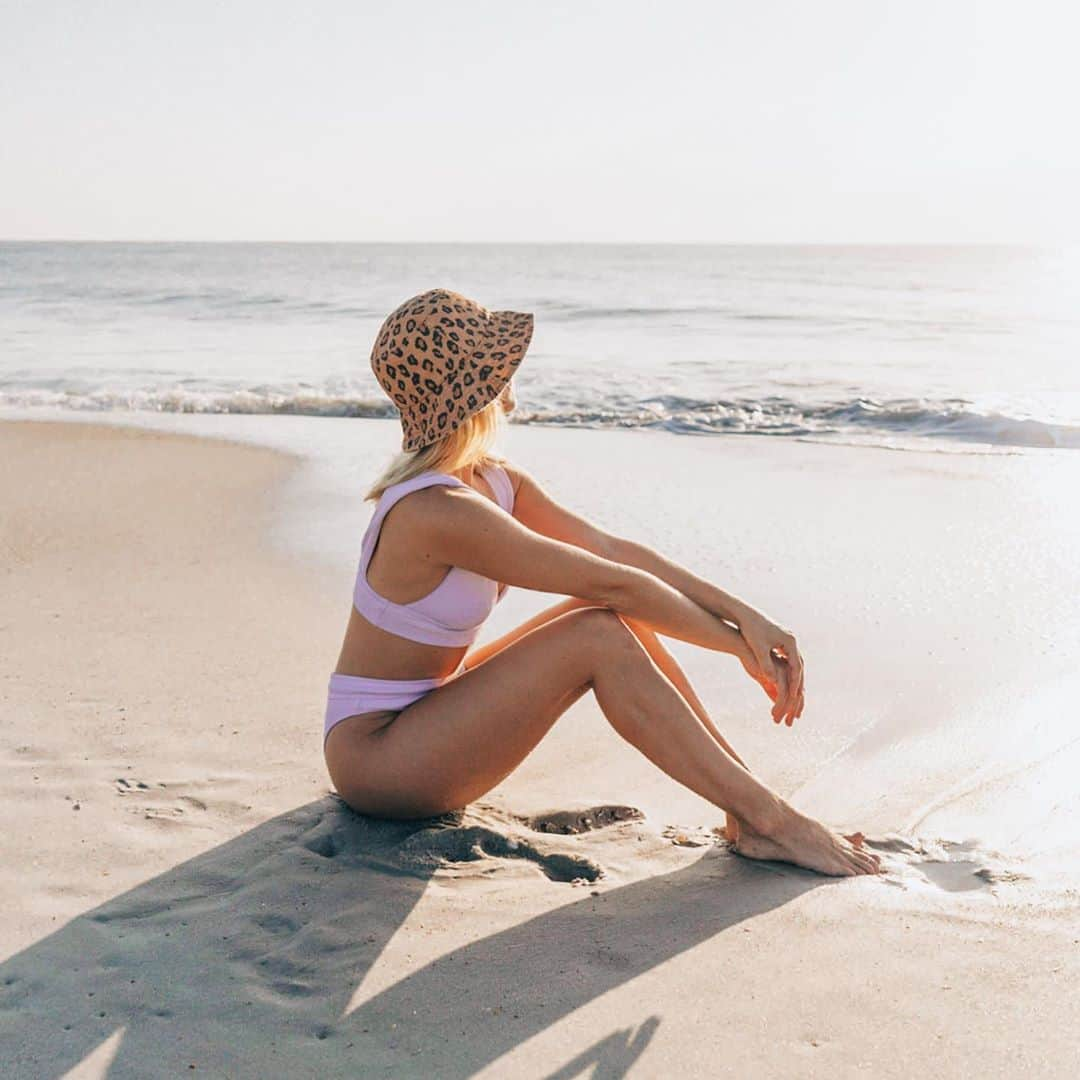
(184, 894)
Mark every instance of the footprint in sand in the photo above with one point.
(123, 785)
(567, 822)
(155, 801)
(435, 847)
(480, 832)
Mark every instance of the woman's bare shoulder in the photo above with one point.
(426, 503)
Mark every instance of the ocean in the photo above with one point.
(962, 349)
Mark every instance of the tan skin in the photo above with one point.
(461, 739)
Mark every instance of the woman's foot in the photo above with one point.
(805, 842)
(733, 827)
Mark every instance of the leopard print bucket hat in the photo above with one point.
(441, 357)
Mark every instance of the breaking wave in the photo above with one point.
(954, 418)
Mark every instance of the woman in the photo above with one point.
(417, 724)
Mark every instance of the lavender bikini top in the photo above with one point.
(453, 612)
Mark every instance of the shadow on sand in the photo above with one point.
(244, 960)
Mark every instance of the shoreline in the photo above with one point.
(165, 670)
(157, 419)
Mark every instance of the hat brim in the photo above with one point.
(502, 337)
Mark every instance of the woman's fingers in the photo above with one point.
(800, 667)
(778, 673)
(793, 703)
(780, 707)
(796, 672)
(787, 698)
(790, 701)
(796, 703)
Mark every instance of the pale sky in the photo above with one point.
(502, 120)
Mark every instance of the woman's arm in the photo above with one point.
(457, 527)
(709, 596)
(784, 683)
(640, 594)
(535, 508)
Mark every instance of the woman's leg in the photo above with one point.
(660, 654)
(480, 653)
(667, 663)
(656, 649)
(734, 829)
(464, 737)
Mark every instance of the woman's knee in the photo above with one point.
(603, 631)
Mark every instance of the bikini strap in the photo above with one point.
(501, 485)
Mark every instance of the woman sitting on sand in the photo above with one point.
(417, 724)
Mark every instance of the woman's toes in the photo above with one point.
(853, 857)
(870, 862)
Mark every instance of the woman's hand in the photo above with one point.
(773, 660)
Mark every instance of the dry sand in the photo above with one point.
(183, 894)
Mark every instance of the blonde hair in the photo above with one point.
(468, 444)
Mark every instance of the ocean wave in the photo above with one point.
(910, 419)
(176, 400)
(564, 312)
(573, 312)
(779, 416)
(199, 304)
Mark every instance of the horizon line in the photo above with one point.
(564, 243)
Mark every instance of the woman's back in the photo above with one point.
(392, 638)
